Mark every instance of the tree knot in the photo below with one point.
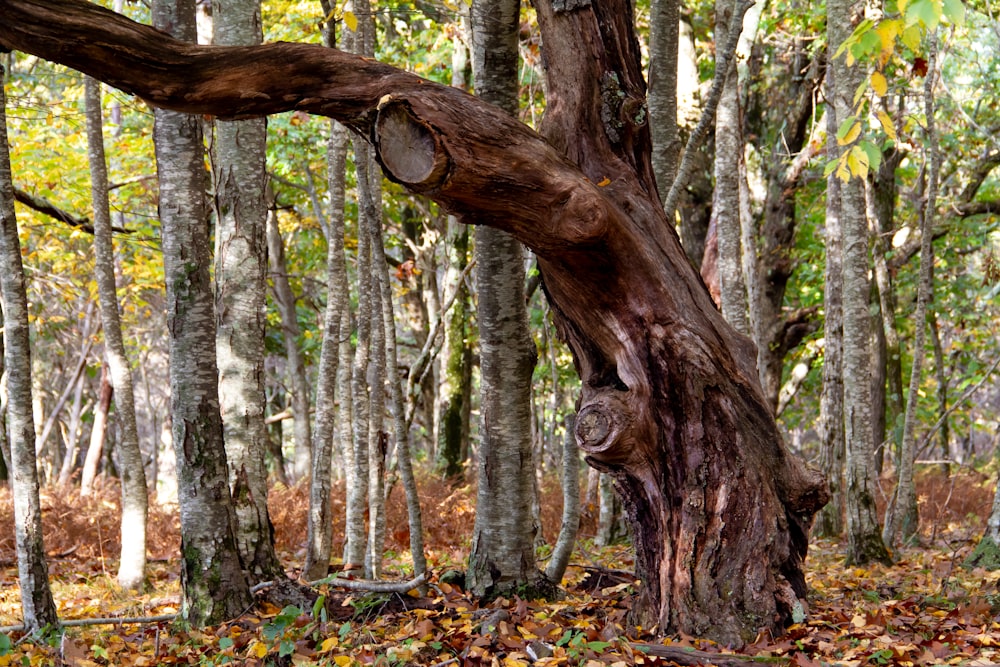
(409, 150)
(604, 427)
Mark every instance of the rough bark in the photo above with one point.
(213, 583)
(240, 181)
(37, 606)
(132, 565)
(864, 537)
(671, 404)
(502, 558)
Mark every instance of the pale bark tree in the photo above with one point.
(570, 474)
(213, 583)
(98, 432)
(131, 471)
(37, 606)
(240, 183)
(726, 207)
(666, 383)
(502, 557)
(864, 536)
(298, 381)
(830, 521)
(334, 361)
(902, 518)
(455, 407)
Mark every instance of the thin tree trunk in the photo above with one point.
(132, 565)
(298, 382)
(563, 549)
(456, 371)
(213, 584)
(37, 606)
(336, 327)
(73, 435)
(98, 433)
(902, 517)
(864, 537)
(664, 28)
(726, 206)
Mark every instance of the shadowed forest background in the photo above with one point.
(912, 147)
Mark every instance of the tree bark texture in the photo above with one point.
(864, 536)
(902, 517)
(319, 543)
(212, 580)
(503, 540)
(831, 406)
(238, 167)
(671, 405)
(37, 606)
(132, 565)
(726, 200)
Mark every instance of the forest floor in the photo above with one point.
(924, 610)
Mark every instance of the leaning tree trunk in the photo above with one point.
(132, 565)
(671, 404)
(37, 605)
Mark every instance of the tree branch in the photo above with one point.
(45, 207)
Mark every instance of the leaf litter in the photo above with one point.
(925, 610)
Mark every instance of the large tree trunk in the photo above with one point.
(132, 565)
(671, 404)
(240, 287)
(503, 540)
(37, 605)
(212, 580)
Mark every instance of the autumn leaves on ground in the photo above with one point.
(925, 610)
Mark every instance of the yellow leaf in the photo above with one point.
(851, 135)
(257, 649)
(857, 161)
(887, 125)
(604, 181)
(351, 21)
(879, 84)
(843, 173)
(329, 644)
(342, 660)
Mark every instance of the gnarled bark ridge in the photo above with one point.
(671, 404)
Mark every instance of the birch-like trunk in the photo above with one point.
(37, 606)
(563, 548)
(132, 566)
(902, 517)
(298, 382)
(502, 557)
(240, 182)
(214, 586)
(334, 359)
(864, 536)
(726, 205)
(830, 520)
